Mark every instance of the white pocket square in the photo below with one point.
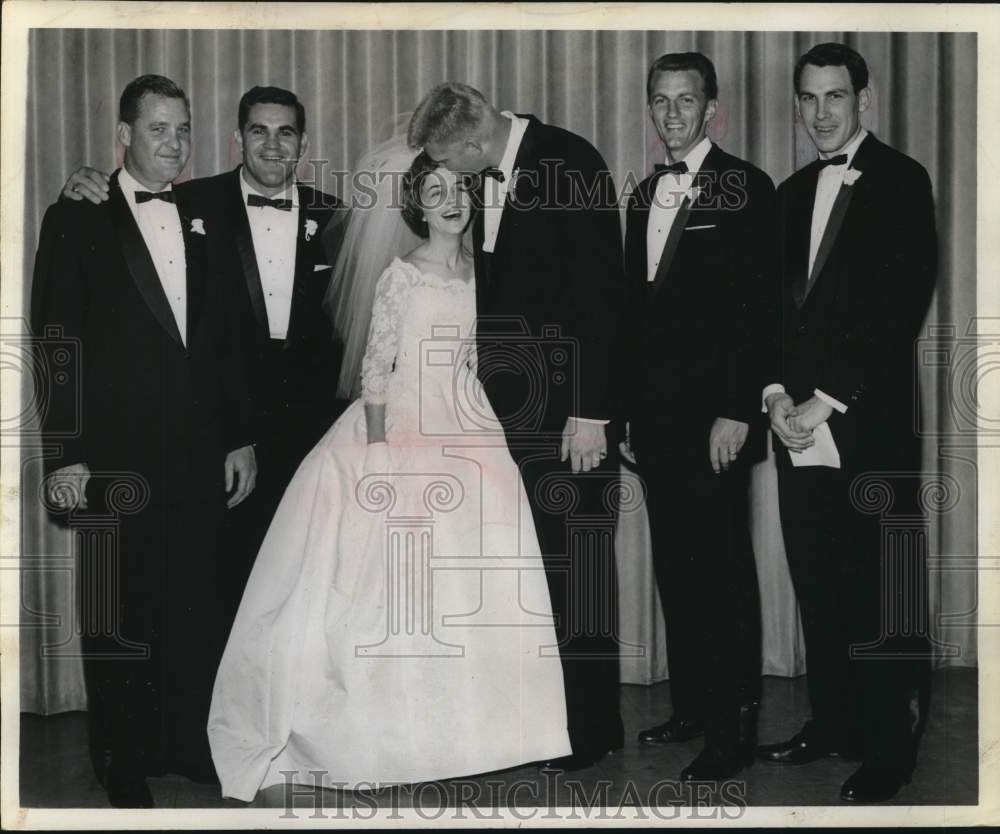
(318, 267)
(696, 228)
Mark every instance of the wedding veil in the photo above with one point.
(374, 233)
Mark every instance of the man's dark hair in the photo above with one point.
(128, 105)
(271, 95)
(834, 55)
(681, 61)
(413, 180)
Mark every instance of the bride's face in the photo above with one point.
(444, 201)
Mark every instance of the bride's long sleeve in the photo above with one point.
(391, 294)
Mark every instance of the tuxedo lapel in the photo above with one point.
(525, 159)
(248, 257)
(798, 218)
(830, 233)
(140, 263)
(302, 262)
(842, 206)
(671, 244)
(194, 246)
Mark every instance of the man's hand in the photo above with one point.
(89, 183)
(725, 441)
(625, 446)
(67, 487)
(810, 414)
(584, 443)
(241, 472)
(781, 409)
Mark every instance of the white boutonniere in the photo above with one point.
(851, 176)
(311, 228)
(198, 226)
(693, 193)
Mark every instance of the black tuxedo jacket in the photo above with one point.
(550, 296)
(309, 374)
(852, 335)
(698, 332)
(140, 400)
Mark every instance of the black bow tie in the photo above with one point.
(839, 159)
(264, 202)
(676, 168)
(146, 196)
(494, 173)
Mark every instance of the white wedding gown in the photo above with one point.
(396, 627)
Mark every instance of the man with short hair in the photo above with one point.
(164, 434)
(857, 260)
(272, 236)
(550, 296)
(698, 255)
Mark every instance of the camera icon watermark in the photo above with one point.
(522, 376)
(964, 362)
(48, 368)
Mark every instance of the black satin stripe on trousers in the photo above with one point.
(707, 577)
(575, 516)
(861, 582)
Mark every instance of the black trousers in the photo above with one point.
(575, 515)
(707, 578)
(151, 633)
(294, 410)
(860, 575)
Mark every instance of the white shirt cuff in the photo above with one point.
(590, 420)
(836, 405)
(773, 388)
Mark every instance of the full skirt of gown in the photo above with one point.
(396, 627)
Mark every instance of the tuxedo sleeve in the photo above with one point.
(590, 241)
(59, 308)
(234, 347)
(631, 360)
(775, 298)
(898, 282)
(750, 280)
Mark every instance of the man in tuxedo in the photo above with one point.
(698, 259)
(163, 434)
(550, 295)
(858, 263)
(272, 235)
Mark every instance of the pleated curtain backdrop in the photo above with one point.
(356, 85)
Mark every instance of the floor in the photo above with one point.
(56, 772)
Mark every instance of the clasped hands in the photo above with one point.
(793, 423)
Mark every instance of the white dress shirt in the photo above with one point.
(667, 199)
(274, 234)
(160, 227)
(494, 191)
(827, 187)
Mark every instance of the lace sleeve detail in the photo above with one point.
(391, 293)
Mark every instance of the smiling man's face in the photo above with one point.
(272, 147)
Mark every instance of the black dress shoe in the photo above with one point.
(799, 749)
(713, 765)
(127, 790)
(874, 784)
(582, 760)
(676, 729)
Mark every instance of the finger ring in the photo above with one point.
(603, 455)
(75, 188)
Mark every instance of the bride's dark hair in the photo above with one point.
(413, 180)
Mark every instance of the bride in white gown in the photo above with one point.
(396, 627)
